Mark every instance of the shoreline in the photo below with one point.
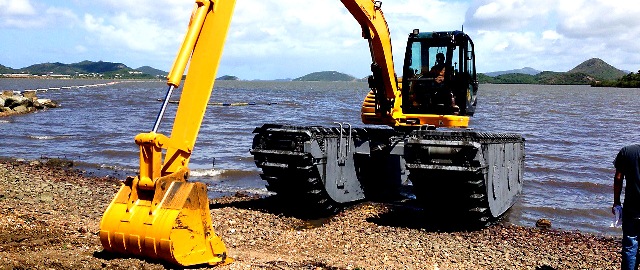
(51, 213)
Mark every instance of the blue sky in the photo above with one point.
(271, 39)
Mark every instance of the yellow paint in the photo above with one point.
(158, 214)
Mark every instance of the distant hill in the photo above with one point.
(85, 69)
(227, 78)
(4, 69)
(631, 80)
(326, 76)
(99, 67)
(152, 71)
(587, 72)
(526, 70)
(545, 77)
(80, 67)
(599, 69)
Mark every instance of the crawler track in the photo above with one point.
(475, 177)
(289, 171)
(470, 176)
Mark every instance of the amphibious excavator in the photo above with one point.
(453, 171)
(159, 214)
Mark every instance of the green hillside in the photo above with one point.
(227, 78)
(326, 76)
(99, 67)
(46, 68)
(587, 72)
(4, 69)
(631, 80)
(152, 71)
(85, 69)
(599, 69)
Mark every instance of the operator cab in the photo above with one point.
(439, 75)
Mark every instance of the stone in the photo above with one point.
(21, 109)
(30, 94)
(46, 197)
(35, 163)
(47, 103)
(543, 223)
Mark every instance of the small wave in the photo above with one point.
(49, 137)
(118, 168)
(4, 121)
(220, 191)
(206, 172)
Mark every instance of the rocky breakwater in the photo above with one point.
(14, 102)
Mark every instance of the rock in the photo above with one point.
(543, 223)
(35, 163)
(59, 163)
(47, 103)
(21, 109)
(30, 94)
(46, 197)
(7, 93)
(13, 102)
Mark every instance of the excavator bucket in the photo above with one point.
(171, 223)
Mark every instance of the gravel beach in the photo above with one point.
(50, 214)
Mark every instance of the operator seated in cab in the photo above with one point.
(438, 70)
(435, 96)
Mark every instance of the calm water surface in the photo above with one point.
(572, 132)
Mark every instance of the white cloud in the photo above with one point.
(16, 13)
(599, 18)
(23, 15)
(554, 35)
(551, 35)
(288, 38)
(138, 34)
(507, 14)
(16, 8)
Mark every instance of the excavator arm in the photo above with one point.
(159, 214)
(384, 83)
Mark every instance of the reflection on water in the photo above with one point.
(572, 134)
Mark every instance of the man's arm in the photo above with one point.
(617, 188)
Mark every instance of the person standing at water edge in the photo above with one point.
(627, 164)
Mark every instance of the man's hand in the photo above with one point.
(617, 189)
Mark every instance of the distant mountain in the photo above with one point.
(587, 72)
(599, 69)
(4, 69)
(46, 68)
(152, 71)
(526, 70)
(227, 78)
(80, 67)
(631, 80)
(326, 76)
(549, 77)
(99, 67)
(85, 69)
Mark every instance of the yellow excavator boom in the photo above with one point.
(158, 214)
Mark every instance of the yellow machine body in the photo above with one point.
(159, 214)
(386, 106)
